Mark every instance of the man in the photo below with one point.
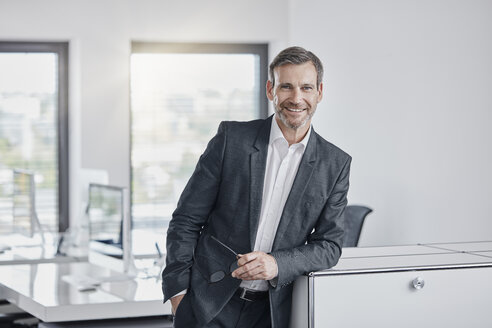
(264, 206)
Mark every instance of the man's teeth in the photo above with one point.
(294, 109)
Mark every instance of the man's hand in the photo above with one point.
(256, 266)
(175, 302)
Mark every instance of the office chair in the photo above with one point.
(354, 219)
(10, 314)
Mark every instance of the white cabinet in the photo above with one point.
(427, 289)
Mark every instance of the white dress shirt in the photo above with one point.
(281, 169)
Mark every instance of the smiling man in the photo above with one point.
(265, 205)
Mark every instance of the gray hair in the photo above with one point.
(297, 56)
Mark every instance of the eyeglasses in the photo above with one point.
(219, 275)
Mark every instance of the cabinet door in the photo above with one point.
(299, 316)
(446, 298)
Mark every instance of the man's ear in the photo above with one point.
(320, 92)
(269, 90)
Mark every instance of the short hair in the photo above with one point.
(297, 56)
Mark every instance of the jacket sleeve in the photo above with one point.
(324, 244)
(194, 206)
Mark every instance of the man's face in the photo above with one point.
(295, 95)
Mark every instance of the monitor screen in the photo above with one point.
(84, 178)
(106, 215)
(23, 203)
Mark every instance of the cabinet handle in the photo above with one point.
(418, 283)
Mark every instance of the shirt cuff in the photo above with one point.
(180, 293)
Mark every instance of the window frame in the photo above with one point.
(61, 49)
(260, 49)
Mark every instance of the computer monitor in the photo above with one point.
(24, 203)
(83, 179)
(109, 223)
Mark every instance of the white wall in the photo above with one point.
(100, 34)
(408, 93)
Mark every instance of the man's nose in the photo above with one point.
(296, 96)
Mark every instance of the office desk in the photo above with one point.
(470, 247)
(379, 251)
(41, 290)
(36, 255)
(25, 250)
(434, 285)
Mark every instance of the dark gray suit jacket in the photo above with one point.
(223, 200)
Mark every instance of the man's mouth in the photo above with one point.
(295, 110)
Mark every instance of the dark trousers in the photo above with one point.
(237, 313)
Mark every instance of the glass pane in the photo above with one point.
(178, 101)
(106, 214)
(28, 131)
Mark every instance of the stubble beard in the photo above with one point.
(292, 125)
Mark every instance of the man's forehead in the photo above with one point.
(305, 71)
(306, 66)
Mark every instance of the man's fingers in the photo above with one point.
(175, 300)
(256, 273)
(248, 269)
(243, 269)
(245, 258)
(256, 266)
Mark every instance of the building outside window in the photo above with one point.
(33, 128)
(179, 95)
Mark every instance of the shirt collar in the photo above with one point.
(276, 133)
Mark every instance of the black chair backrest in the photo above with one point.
(354, 219)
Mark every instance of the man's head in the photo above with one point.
(295, 87)
(297, 56)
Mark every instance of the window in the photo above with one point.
(33, 127)
(179, 95)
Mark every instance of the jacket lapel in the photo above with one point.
(258, 165)
(299, 186)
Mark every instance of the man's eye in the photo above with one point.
(307, 88)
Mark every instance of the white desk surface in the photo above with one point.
(25, 250)
(36, 254)
(40, 290)
(352, 252)
(404, 258)
(476, 246)
(487, 254)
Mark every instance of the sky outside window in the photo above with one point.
(178, 101)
